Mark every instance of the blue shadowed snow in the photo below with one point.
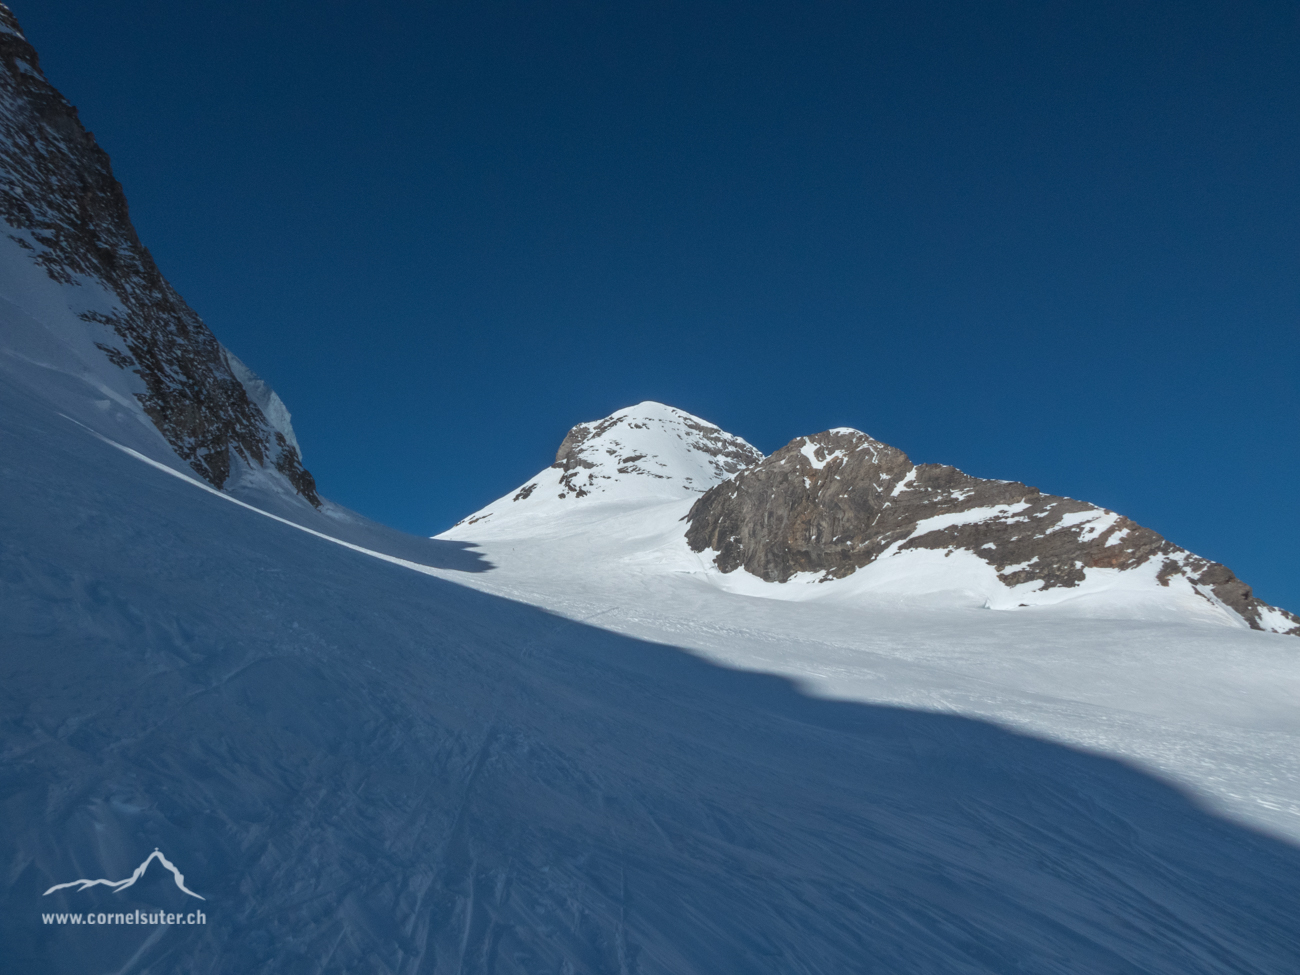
(363, 768)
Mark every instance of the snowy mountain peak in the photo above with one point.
(841, 515)
(645, 453)
(645, 444)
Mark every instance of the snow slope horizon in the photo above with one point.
(1159, 676)
(650, 456)
(90, 322)
(55, 346)
(364, 766)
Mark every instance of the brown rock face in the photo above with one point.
(57, 186)
(835, 502)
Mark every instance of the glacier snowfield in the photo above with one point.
(367, 768)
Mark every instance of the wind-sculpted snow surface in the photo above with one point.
(67, 216)
(364, 768)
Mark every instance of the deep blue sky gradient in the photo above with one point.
(1052, 242)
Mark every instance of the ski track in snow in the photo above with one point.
(365, 767)
(582, 749)
(1254, 774)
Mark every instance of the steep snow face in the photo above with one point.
(267, 399)
(83, 304)
(643, 455)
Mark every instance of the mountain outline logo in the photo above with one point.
(121, 885)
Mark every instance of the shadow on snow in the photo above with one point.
(365, 769)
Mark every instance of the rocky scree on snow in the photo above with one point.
(57, 186)
(837, 501)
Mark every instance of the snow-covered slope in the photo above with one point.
(1165, 675)
(643, 455)
(89, 322)
(840, 516)
(362, 764)
(363, 767)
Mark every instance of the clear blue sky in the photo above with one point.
(1053, 242)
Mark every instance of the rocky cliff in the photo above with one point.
(838, 501)
(64, 208)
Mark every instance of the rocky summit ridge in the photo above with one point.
(830, 505)
(68, 214)
(838, 501)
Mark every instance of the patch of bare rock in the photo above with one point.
(837, 501)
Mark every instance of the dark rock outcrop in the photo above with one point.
(57, 187)
(837, 501)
